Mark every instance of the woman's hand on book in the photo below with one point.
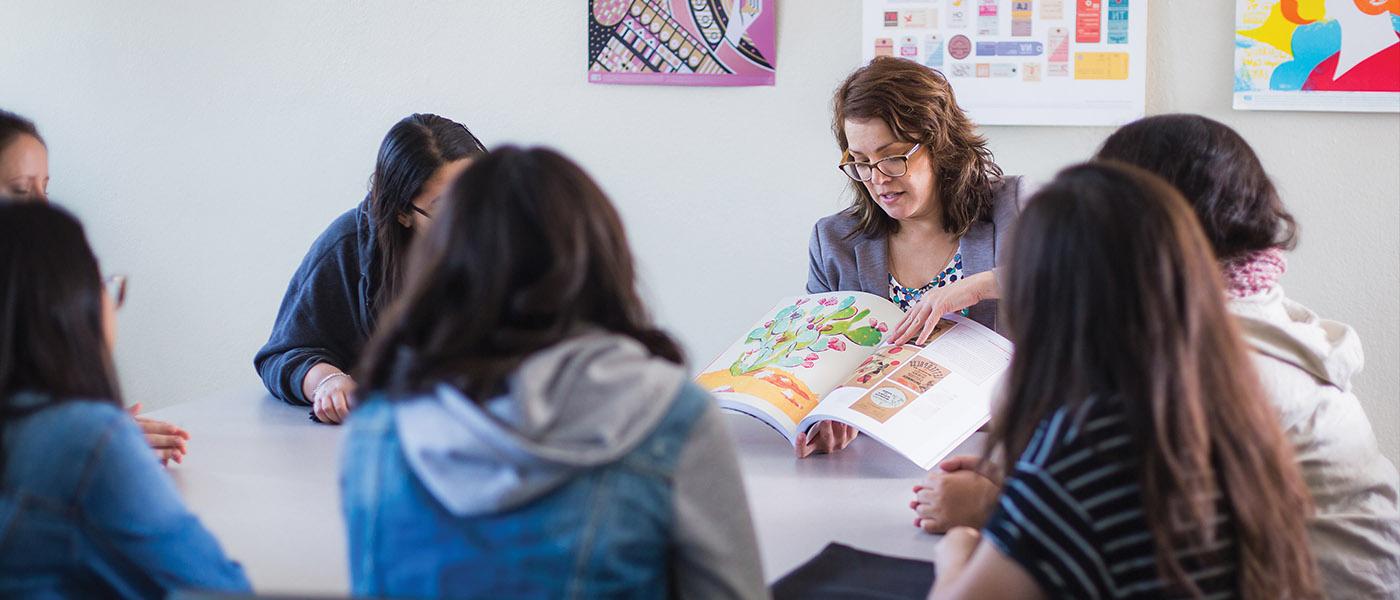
(827, 437)
(960, 492)
(919, 322)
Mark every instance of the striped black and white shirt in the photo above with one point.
(1071, 514)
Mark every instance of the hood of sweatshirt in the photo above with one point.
(581, 403)
(1283, 329)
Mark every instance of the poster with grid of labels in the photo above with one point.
(1023, 62)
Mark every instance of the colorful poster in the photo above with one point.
(682, 42)
(1023, 62)
(1021, 18)
(1088, 22)
(987, 21)
(1325, 55)
(1117, 21)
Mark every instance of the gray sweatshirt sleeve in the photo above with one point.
(716, 550)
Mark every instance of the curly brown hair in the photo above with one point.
(918, 105)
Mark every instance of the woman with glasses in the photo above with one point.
(931, 208)
(356, 267)
(84, 511)
(24, 176)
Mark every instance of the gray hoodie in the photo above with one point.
(1306, 365)
(584, 403)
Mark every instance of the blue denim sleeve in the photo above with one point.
(132, 510)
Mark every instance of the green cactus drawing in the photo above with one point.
(800, 333)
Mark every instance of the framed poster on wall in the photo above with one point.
(1326, 55)
(1023, 62)
(681, 42)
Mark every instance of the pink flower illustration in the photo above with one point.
(768, 324)
(809, 364)
(811, 357)
(882, 328)
(836, 344)
(800, 302)
(827, 302)
(874, 322)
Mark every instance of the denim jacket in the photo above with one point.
(87, 512)
(619, 530)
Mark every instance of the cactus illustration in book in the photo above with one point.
(799, 334)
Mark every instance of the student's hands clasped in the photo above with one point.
(827, 437)
(167, 440)
(960, 492)
(919, 322)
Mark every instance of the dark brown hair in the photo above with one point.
(13, 126)
(52, 340)
(1218, 173)
(526, 252)
(918, 105)
(413, 150)
(1111, 291)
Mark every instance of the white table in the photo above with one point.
(262, 477)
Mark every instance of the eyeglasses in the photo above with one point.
(420, 211)
(115, 287)
(892, 166)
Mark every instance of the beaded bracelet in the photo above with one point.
(316, 392)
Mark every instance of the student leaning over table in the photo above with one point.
(24, 176)
(528, 433)
(355, 268)
(930, 214)
(1306, 362)
(1144, 460)
(84, 510)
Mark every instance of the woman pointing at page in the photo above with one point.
(931, 208)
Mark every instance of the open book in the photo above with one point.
(822, 358)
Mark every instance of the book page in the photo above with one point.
(923, 402)
(796, 353)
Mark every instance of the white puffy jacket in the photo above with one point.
(1306, 364)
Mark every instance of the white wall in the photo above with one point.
(207, 143)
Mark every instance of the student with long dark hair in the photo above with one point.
(1143, 459)
(355, 268)
(528, 433)
(85, 512)
(24, 176)
(24, 159)
(1306, 362)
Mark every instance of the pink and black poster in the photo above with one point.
(681, 42)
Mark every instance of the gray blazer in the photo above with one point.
(839, 261)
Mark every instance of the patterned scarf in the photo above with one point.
(1253, 273)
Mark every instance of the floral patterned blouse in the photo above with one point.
(906, 297)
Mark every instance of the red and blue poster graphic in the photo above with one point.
(1333, 55)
